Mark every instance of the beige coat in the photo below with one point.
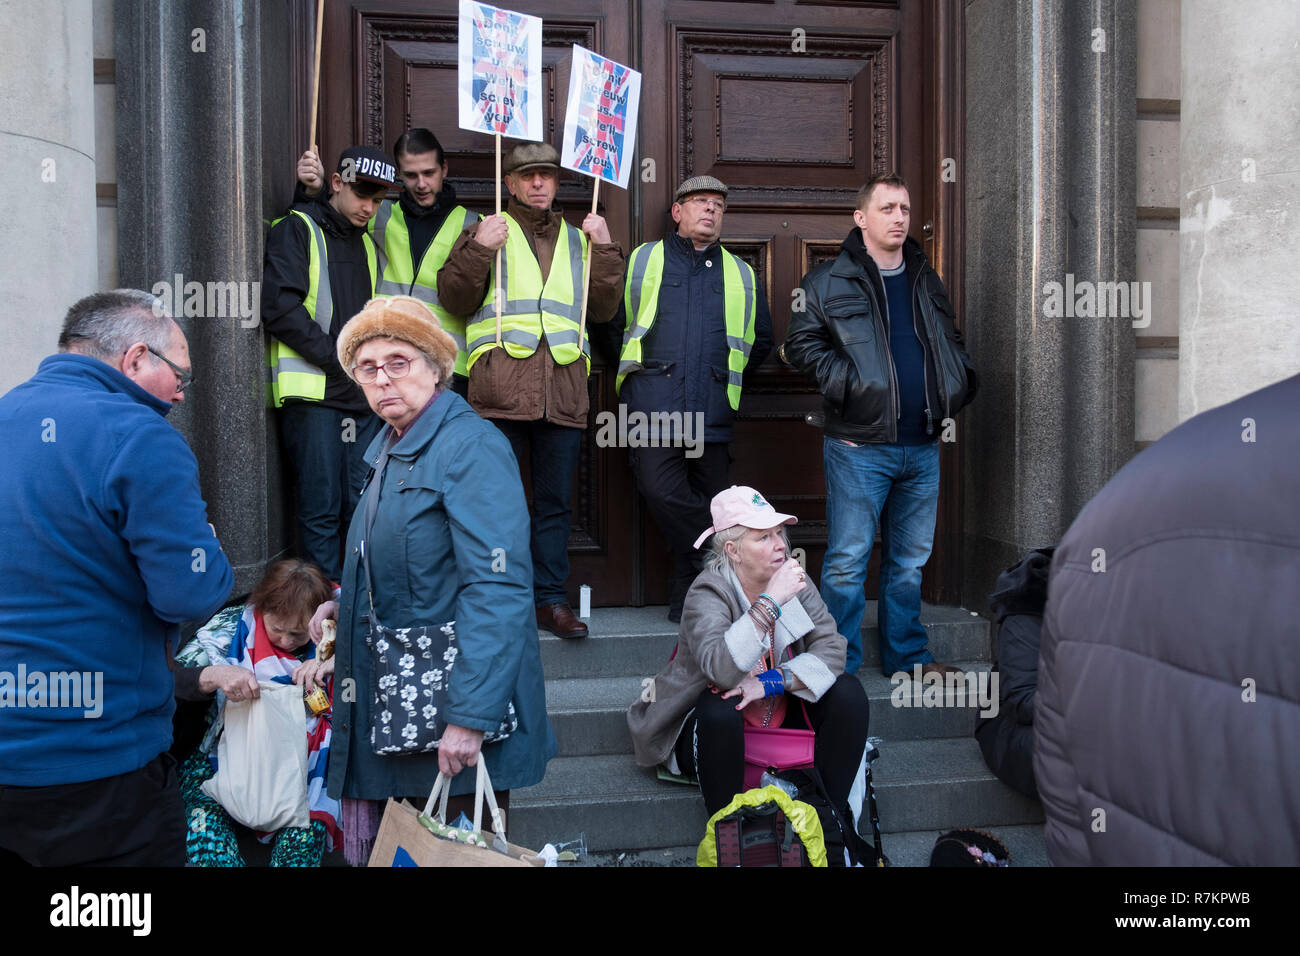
(718, 645)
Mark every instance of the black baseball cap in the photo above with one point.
(367, 164)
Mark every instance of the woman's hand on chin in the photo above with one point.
(788, 581)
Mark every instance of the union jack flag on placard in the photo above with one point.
(500, 71)
(600, 122)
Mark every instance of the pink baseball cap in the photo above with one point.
(742, 505)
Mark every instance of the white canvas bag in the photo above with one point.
(261, 778)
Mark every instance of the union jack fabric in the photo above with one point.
(252, 650)
(500, 67)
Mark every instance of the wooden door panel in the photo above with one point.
(725, 93)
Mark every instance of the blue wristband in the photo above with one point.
(773, 683)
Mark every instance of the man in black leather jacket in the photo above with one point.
(876, 334)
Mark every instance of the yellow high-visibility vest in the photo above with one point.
(292, 376)
(641, 302)
(533, 308)
(399, 277)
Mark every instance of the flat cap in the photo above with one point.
(700, 184)
(528, 155)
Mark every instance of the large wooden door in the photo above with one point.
(792, 103)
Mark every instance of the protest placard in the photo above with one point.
(600, 122)
(500, 76)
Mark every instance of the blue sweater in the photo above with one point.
(909, 358)
(104, 549)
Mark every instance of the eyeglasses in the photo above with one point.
(184, 377)
(707, 202)
(393, 368)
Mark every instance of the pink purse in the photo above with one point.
(777, 748)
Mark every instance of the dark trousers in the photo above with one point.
(677, 491)
(132, 819)
(326, 451)
(551, 452)
(712, 743)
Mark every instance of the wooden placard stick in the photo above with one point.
(315, 79)
(586, 269)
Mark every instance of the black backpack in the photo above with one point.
(844, 846)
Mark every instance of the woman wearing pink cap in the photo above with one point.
(754, 631)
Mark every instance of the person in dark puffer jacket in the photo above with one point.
(1007, 738)
(1168, 703)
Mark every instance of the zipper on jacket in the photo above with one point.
(934, 348)
(925, 372)
(893, 372)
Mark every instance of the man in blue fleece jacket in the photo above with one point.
(104, 548)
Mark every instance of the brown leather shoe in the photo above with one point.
(934, 667)
(560, 620)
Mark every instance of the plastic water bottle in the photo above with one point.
(768, 780)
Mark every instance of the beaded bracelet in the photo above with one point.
(773, 683)
(775, 606)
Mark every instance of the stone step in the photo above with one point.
(636, 641)
(1025, 842)
(589, 715)
(615, 805)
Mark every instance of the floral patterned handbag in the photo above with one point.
(412, 668)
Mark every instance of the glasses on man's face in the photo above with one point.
(393, 368)
(184, 378)
(707, 202)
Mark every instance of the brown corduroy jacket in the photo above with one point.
(535, 387)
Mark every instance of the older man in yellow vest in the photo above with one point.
(528, 374)
(694, 322)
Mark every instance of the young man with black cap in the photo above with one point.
(415, 233)
(694, 320)
(528, 374)
(321, 268)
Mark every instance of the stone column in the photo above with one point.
(204, 158)
(49, 245)
(1050, 198)
(1239, 177)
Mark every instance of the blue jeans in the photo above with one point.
(326, 450)
(894, 488)
(552, 452)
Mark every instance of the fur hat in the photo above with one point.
(398, 317)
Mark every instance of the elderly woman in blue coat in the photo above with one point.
(445, 526)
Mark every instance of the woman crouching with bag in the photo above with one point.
(437, 634)
(757, 648)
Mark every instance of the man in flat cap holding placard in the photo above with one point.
(528, 375)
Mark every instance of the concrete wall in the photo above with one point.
(1158, 99)
(1239, 317)
(49, 152)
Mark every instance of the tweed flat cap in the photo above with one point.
(398, 317)
(700, 184)
(528, 155)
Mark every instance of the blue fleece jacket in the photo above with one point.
(104, 549)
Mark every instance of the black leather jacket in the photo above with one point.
(840, 340)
